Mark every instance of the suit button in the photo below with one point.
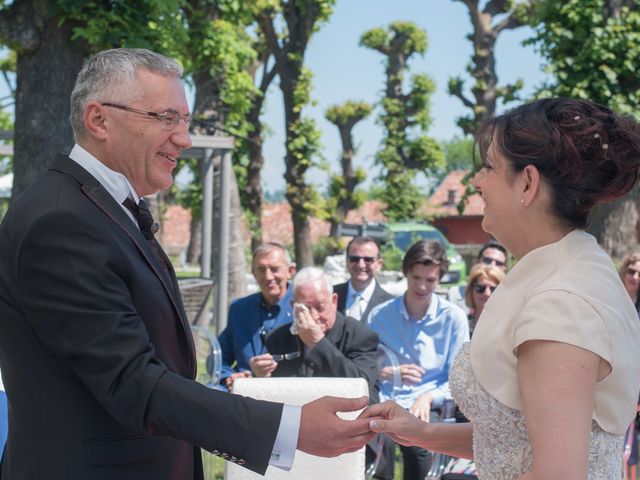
(241, 461)
(225, 455)
(215, 451)
(233, 459)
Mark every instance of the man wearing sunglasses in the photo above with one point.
(493, 253)
(358, 296)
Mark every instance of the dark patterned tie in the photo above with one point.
(143, 216)
(148, 227)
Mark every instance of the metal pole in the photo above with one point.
(223, 264)
(207, 213)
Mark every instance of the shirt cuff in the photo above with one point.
(284, 448)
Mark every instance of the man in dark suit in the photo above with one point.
(95, 349)
(327, 344)
(358, 296)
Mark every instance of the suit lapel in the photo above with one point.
(96, 193)
(341, 290)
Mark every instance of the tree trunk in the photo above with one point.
(194, 250)
(47, 65)
(207, 105)
(615, 225)
(297, 189)
(237, 262)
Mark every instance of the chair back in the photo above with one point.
(208, 356)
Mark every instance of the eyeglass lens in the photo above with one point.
(356, 259)
(278, 357)
(489, 261)
(481, 288)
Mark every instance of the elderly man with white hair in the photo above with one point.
(327, 344)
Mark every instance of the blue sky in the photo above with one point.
(345, 71)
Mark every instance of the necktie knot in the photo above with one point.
(143, 216)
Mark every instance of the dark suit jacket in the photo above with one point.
(96, 352)
(380, 295)
(349, 349)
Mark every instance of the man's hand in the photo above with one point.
(411, 374)
(263, 365)
(231, 378)
(325, 434)
(421, 408)
(308, 330)
(400, 425)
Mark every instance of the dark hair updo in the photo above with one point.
(586, 153)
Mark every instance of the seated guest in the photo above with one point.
(493, 253)
(358, 296)
(252, 317)
(483, 280)
(425, 332)
(327, 344)
(630, 275)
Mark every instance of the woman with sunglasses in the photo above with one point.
(550, 379)
(483, 280)
(630, 275)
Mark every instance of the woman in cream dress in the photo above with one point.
(551, 379)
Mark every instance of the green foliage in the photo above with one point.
(146, 23)
(391, 256)
(349, 112)
(406, 117)
(591, 56)
(412, 39)
(325, 247)
(459, 153)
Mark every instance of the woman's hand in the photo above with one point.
(400, 425)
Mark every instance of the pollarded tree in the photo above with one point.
(591, 48)
(251, 146)
(342, 187)
(287, 26)
(488, 23)
(406, 117)
(218, 54)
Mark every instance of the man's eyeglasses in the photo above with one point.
(632, 272)
(481, 288)
(278, 357)
(356, 259)
(169, 120)
(489, 261)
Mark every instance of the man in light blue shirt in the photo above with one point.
(425, 332)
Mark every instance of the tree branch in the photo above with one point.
(495, 7)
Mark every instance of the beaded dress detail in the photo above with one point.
(500, 441)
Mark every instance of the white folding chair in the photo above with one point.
(298, 391)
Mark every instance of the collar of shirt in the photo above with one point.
(365, 294)
(430, 314)
(115, 183)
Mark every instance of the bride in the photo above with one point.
(550, 380)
